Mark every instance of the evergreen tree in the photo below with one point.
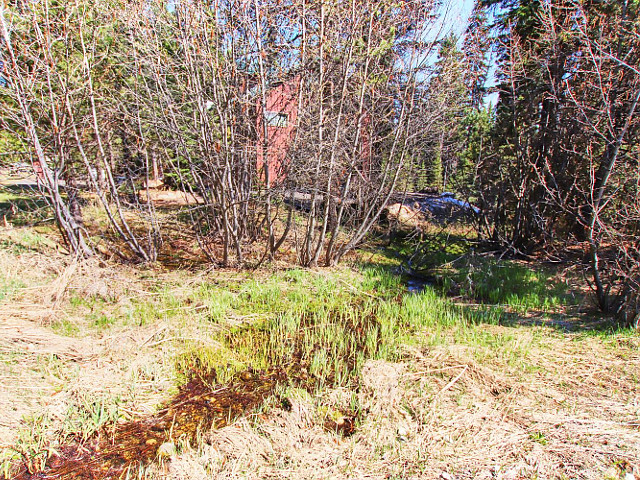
(477, 51)
(447, 95)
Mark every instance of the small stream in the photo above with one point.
(417, 284)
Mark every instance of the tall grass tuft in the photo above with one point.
(328, 325)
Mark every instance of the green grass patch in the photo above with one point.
(65, 327)
(160, 304)
(88, 415)
(8, 286)
(32, 446)
(508, 283)
(328, 324)
(448, 260)
(24, 240)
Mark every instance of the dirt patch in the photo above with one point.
(405, 216)
(168, 198)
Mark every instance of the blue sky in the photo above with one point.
(454, 12)
(453, 16)
(457, 12)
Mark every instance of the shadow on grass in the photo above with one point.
(23, 205)
(504, 292)
(569, 322)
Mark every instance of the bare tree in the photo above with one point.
(277, 105)
(567, 141)
(358, 89)
(278, 121)
(601, 89)
(23, 94)
(56, 56)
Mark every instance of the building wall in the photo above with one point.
(281, 113)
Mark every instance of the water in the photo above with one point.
(418, 284)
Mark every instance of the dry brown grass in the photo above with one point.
(441, 414)
(531, 403)
(44, 372)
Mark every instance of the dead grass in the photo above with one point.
(486, 401)
(168, 198)
(440, 414)
(43, 372)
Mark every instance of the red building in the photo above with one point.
(281, 114)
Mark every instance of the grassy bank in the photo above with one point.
(287, 373)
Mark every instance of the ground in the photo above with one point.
(457, 391)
